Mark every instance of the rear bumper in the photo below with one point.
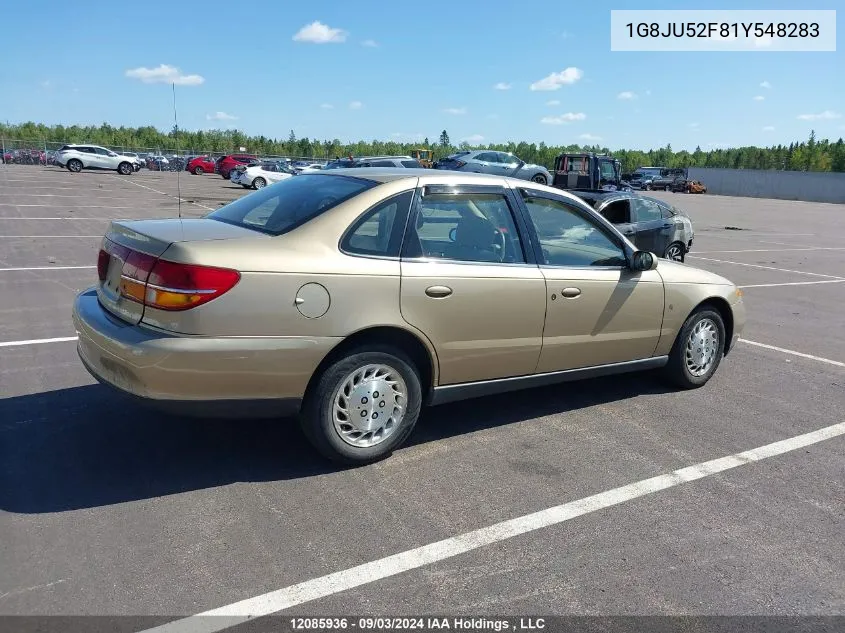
(217, 376)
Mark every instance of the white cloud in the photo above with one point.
(759, 98)
(355, 105)
(416, 137)
(563, 118)
(626, 96)
(164, 74)
(553, 102)
(370, 43)
(827, 115)
(220, 116)
(326, 106)
(455, 110)
(590, 137)
(769, 128)
(694, 125)
(474, 138)
(765, 84)
(556, 80)
(502, 86)
(319, 33)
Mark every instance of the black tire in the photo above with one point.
(540, 179)
(667, 188)
(74, 165)
(259, 183)
(677, 371)
(198, 171)
(316, 414)
(674, 248)
(125, 169)
(647, 187)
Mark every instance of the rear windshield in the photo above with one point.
(290, 203)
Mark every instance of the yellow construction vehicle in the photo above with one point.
(424, 157)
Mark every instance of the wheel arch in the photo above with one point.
(418, 350)
(724, 309)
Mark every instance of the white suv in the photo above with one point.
(79, 157)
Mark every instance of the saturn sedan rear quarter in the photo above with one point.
(354, 297)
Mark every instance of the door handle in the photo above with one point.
(570, 293)
(438, 292)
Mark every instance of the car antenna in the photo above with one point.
(176, 138)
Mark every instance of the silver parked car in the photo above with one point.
(484, 161)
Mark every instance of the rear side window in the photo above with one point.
(290, 203)
(411, 164)
(379, 231)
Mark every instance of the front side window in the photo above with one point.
(507, 159)
(377, 232)
(466, 227)
(568, 238)
(290, 203)
(487, 157)
(608, 170)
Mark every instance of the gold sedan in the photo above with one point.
(354, 297)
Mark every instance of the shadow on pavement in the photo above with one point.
(86, 447)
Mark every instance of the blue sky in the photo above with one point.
(412, 70)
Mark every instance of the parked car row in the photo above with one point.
(664, 179)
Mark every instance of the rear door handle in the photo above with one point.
(438, 292)
(570, 293)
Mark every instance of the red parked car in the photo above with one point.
(200, 165)
(225, 164)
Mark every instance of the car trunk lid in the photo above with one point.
(130, 249)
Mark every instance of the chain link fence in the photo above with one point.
(37, 153)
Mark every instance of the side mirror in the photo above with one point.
(643, 260)
(453, 234)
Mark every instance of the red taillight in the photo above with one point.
(103, 264)
(163, 284)
(174, 286)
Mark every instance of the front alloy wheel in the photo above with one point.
(675, 252)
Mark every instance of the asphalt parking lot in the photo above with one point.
(105, 509)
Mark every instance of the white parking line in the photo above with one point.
(39, 236)
(796, 283)
(791, 352)
(65, 206)
(783, 270)
(6, 270)
(780, 250)
(38, 341)
(62, 218)
(137, 184)
(367, 573)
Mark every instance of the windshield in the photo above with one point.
(290, 203)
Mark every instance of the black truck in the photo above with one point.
(587, 171)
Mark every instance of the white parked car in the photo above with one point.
(79, 157)
(261, 175)
(309, 169)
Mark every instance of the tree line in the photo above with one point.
(810, 155)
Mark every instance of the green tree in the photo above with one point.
(444, 140)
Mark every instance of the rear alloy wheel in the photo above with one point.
(124, 169)
(198, 171)
(675, 252)
(259, 183)
(698, 350)
(363, 406)
(540, 179)
(667, 188)
(74, 165)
